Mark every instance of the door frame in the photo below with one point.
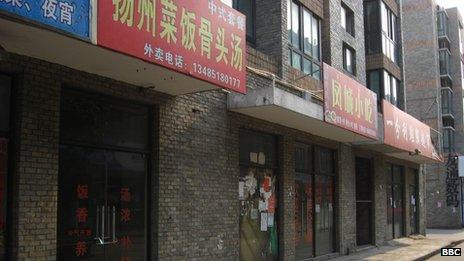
(151, 153)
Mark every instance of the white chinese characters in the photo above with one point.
(61, 11)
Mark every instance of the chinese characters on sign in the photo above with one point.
(71, 16)
(452, 182)
(203, 38)
(348, 104)
(405, 132)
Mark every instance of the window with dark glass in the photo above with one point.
(385, 85)
(390, 88)
(444, 59)
(448, 140)
(372, 26)
(304, 40)
(349, 59)
(442, 23)
(347, 19)
(447, 101)
(247, 7)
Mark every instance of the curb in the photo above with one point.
(437, 251)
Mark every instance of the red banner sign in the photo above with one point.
(202, 38)
(348, 104)
(405, 132)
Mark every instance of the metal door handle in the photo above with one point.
(98, 237)
(114, 240)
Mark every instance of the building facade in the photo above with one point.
(434, 95)
(109, 152)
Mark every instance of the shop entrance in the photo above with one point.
(363, 201)
(395, 185)
(314, 201)
(102, 179)
(258, 187)
(5, 94)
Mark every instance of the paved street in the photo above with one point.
(411, 248)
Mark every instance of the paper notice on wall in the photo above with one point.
(262, 158)
(254, 213)
(263, 221)
(413, 200)
(318, 208)
(267, 195)
(438, 204)
(330, 207)
(241, 190)
(270, 220)
(271, 204)
(254, 157)
(262, 205)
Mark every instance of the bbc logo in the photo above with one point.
(451, 251)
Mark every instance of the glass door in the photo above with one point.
(304, 214)
(363, 202)
(398, 202)
(103, 178)
(395, 188)
(324, 201)
(102, 205)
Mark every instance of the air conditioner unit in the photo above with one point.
(461, 166)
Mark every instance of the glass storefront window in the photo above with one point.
(258, 197)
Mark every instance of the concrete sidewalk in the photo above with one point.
(410, 248)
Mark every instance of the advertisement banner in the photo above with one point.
(405, 132)
(204, 38)
(348, 104)
(71, 16)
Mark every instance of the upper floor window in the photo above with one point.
(304, 39)
(349, 59)
(448, 140)
(385, 85)
(389, 32)
(247, 7)
(347, 19)
(390, 87)
(444, 59)
(442, 23)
